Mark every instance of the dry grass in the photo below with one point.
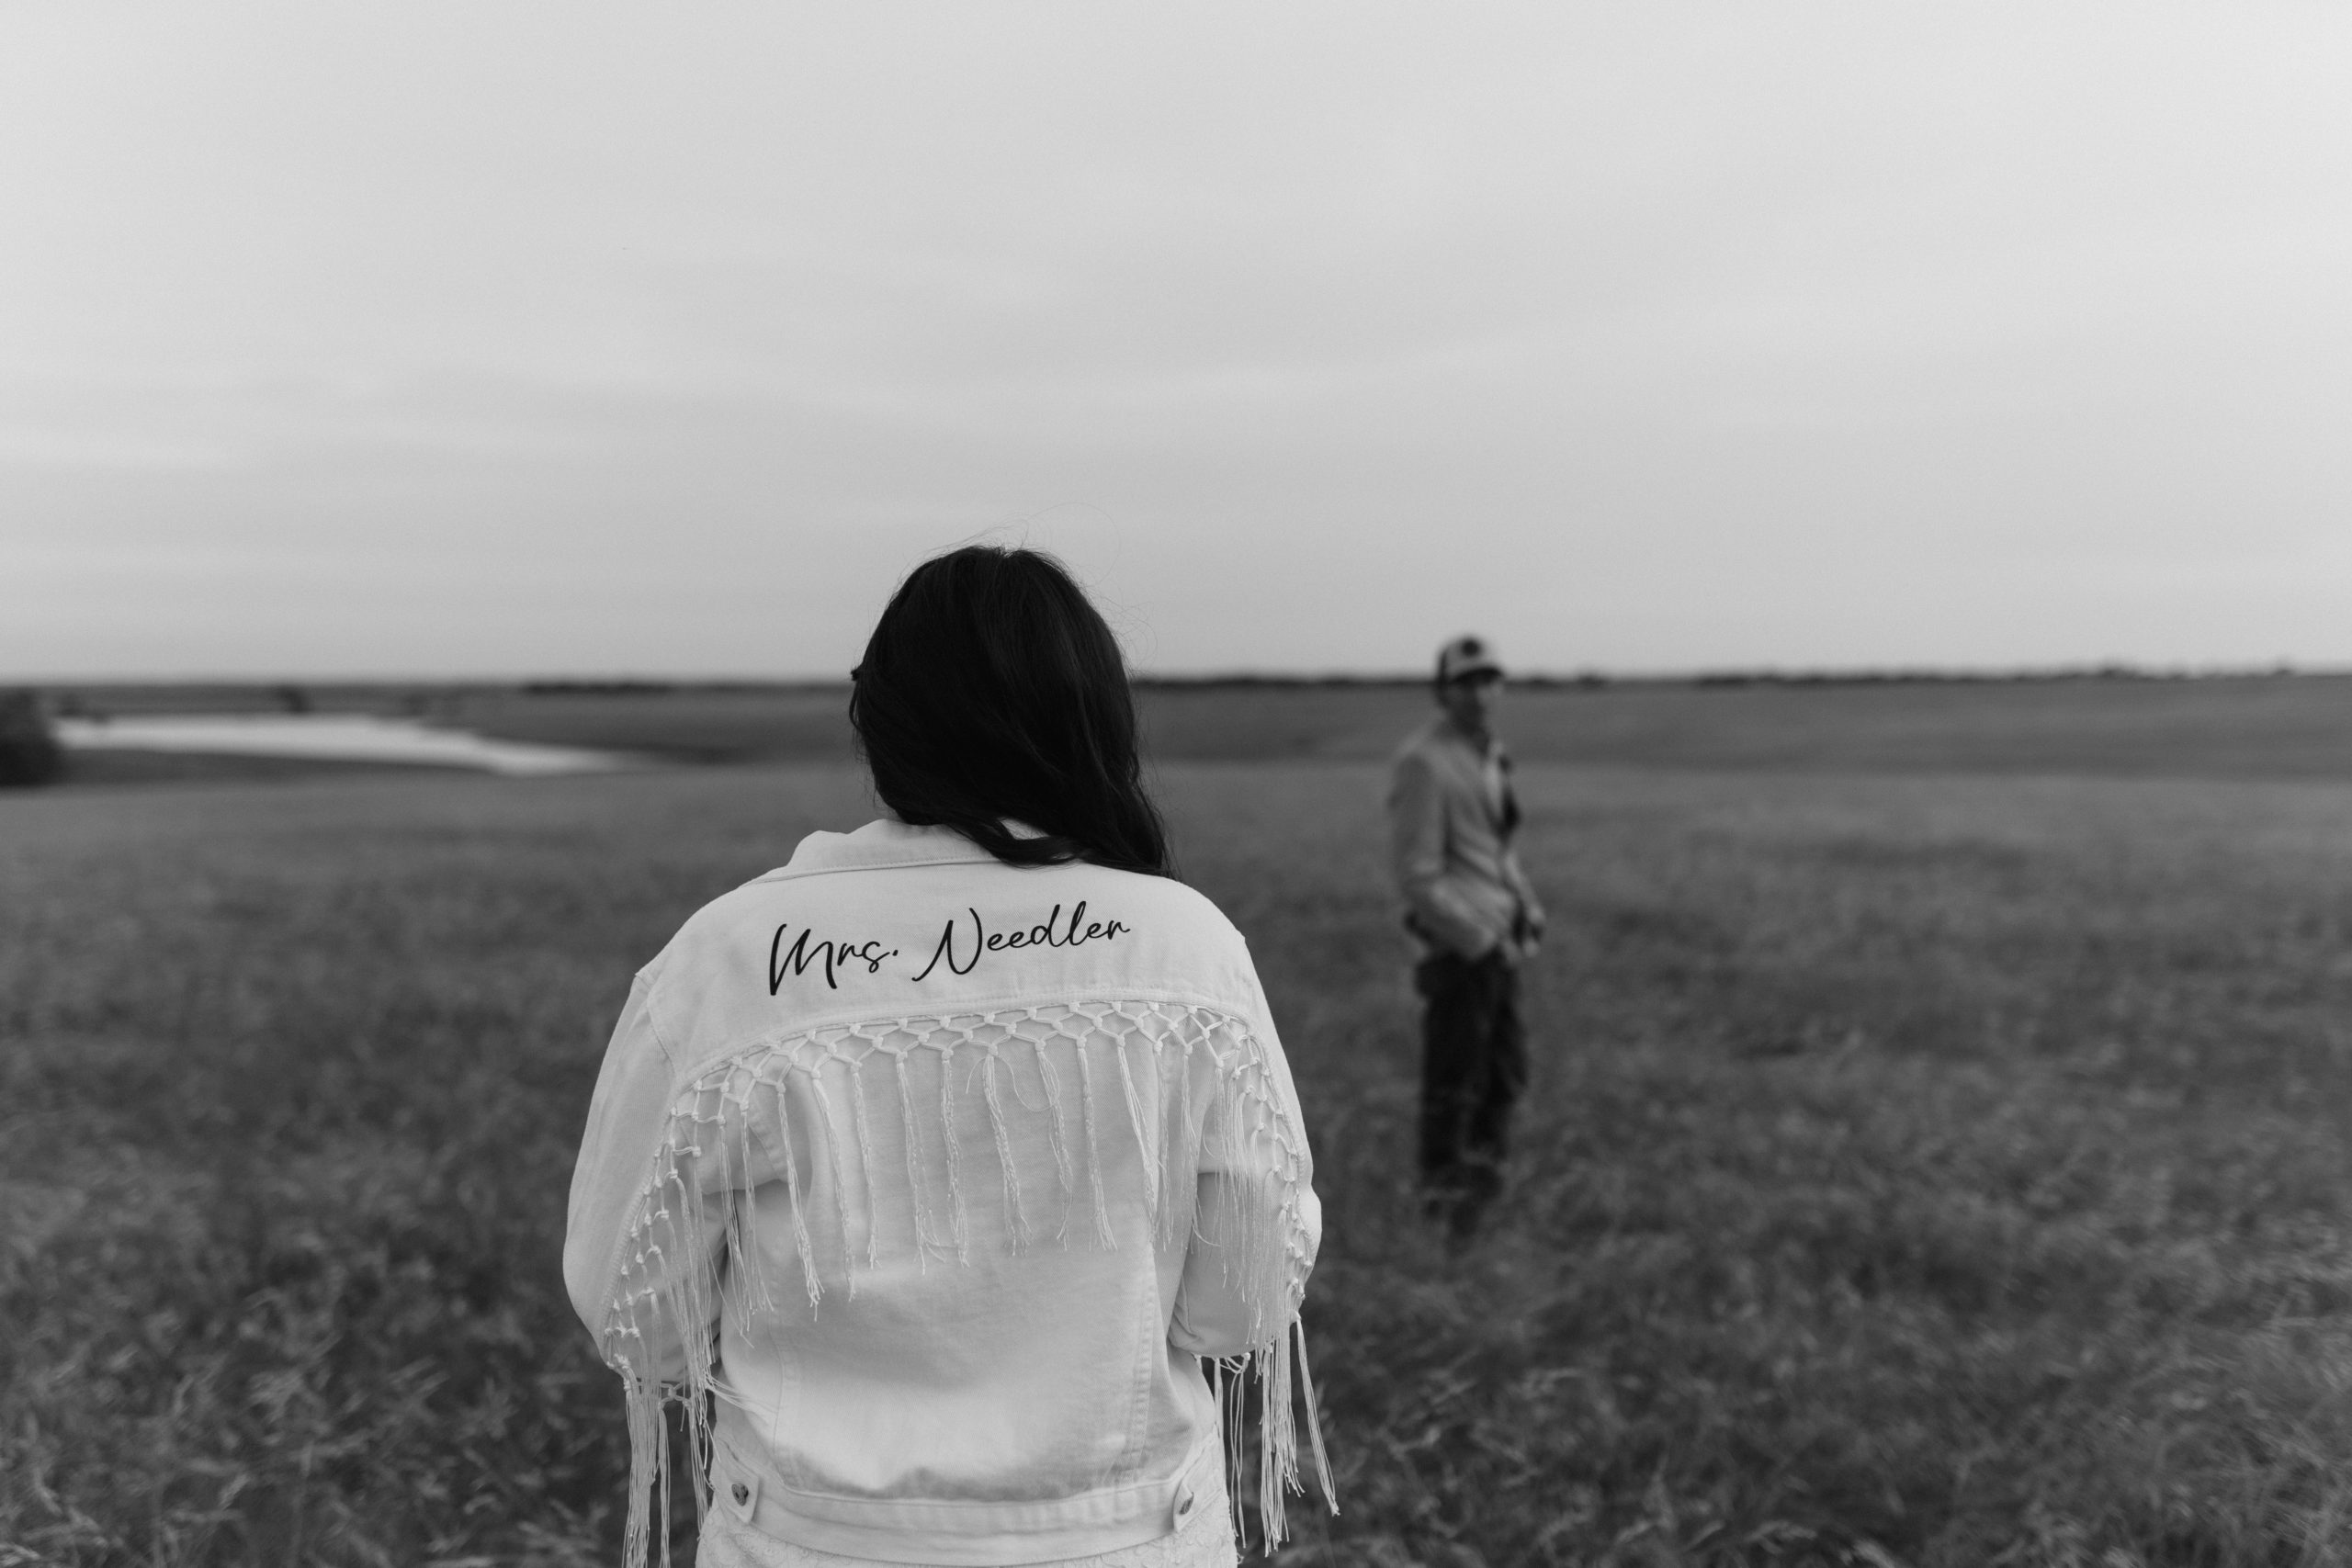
(1936, 1171)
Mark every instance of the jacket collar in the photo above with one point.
(883, 842)
(887, 841)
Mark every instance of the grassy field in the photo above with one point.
(1941, 1171)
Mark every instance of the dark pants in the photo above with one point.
(1474, 1064)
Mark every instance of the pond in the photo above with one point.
(341, 736)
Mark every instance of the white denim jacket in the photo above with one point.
(936, 1177)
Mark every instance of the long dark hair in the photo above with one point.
(992, 690)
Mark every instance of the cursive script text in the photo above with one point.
(832, 954)
(1077, 932)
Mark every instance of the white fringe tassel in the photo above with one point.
(707, 1155)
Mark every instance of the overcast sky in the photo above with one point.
(492, 338)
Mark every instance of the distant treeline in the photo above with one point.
(1589, 678)
(1947, 677)
(29, 749)
(597, 688)
(636, 688)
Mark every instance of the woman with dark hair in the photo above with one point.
(929, 1172)
(992, 691)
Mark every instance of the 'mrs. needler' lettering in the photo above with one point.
(832, 954)
(1077, 932)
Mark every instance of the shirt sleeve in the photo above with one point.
(1417, 853)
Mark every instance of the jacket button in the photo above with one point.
(742, 1493)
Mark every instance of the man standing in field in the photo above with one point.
(1452, 817)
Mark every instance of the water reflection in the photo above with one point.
(342, 737)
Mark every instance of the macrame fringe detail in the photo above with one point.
(693, 1251)
(1264, 1377)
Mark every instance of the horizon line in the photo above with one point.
(615, 682)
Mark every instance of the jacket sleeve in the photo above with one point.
(1258, 1223)
(1417, 853)
(613, 1276)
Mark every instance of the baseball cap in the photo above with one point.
(1466, 656)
